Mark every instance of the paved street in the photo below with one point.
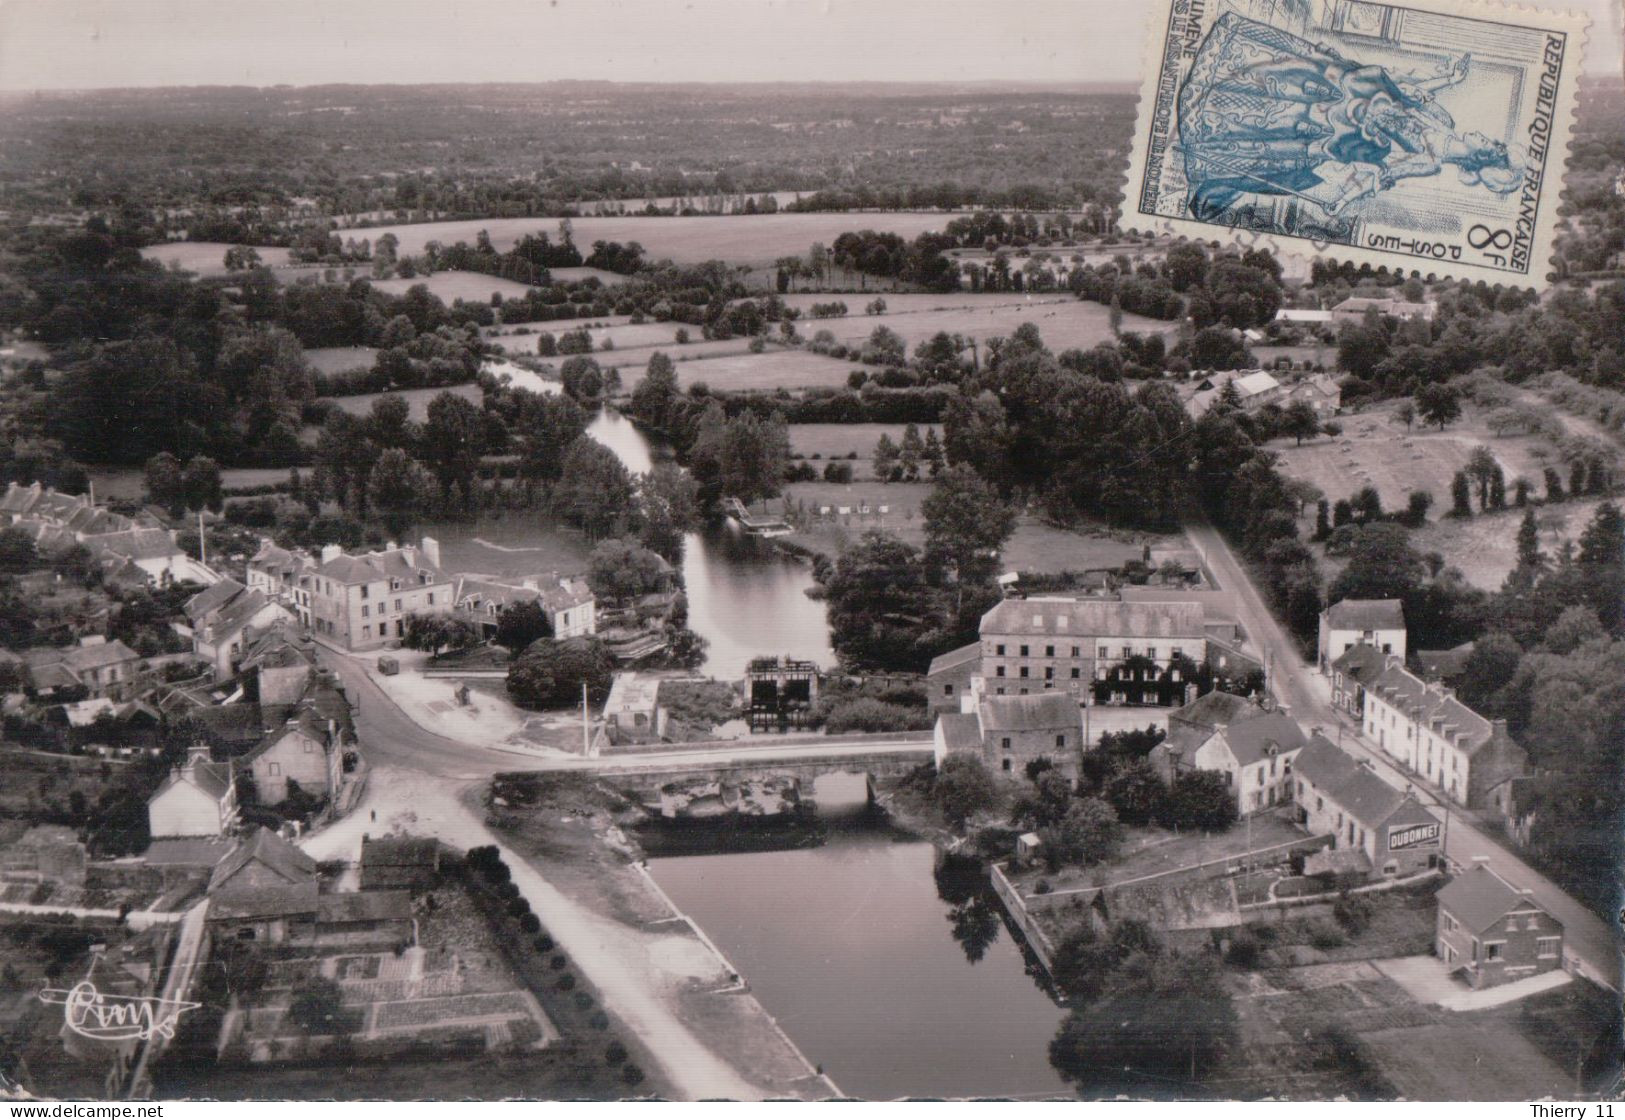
(1590, 940)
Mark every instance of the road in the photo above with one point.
(1590, 941)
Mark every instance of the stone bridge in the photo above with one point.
(656, 784)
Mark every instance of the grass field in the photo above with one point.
(783, 369)
(1377, 450)
(207, 258)
(582, 272)
(475, 287)
(753, 239)
(837, 441)
(1485, 547)
(340, 359)
(901, 303)
(1034, 547)
(510, 546)
(130, 485)
(1063, 323)
(417, 399)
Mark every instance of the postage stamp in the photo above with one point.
(1430, 135)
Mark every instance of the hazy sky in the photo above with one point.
(67, 44)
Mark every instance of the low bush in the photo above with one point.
(615, 1053)
(565, 983)
(557, 962)
(544, 944)
(529, 923)
(1324, 935)
(1244, 950)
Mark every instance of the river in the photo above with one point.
(853, 947)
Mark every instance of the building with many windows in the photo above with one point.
(1351, 622)
(1387, 831)
(1118, 652)
(361, 602)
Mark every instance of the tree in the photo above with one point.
(1360, 349)
(1490, 666)
(1367, 504)
(242, 258)
(399, 490)
(1381, 565)
(550, 673)
(17, 552)
(1089, 833)
(1323, 519)
(521, 625)
(1461, 495)
(166, 482)
(1135, 790)
(752, 456)
(933, 453)
(910, 453)
(884, 347)
(453, 439)
(1554, 485)
(966, 525)
(621, 570)
(583, 379)
(1300, 421)
(1416, 508)
(880, 606)
(962, 788)
(885, 458)
(595, 491)
(655, 397)
(1405, 413)
(1481, 469)
(1438, 404)
(201, 483)
(435, 633)
(669, 504)
(1198, 799)
(317, 1004)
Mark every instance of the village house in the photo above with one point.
(568, 603)
(102, 668)
(1193, 724)
(402, 862)
(1391, 832)
(362, 602)
(308, 751)
(1348, 622)
(1351, 673)
(1255, 754)
(223, 622)
(196, 799)
(1440, 739)
(1355, 308)
(280, 661)
(282, 574)
(1320, 391)
(1255, 388)
(1516, 802)
(1490, 932)
(1110, 648)
(1306, 315)
(1444, 665)
(949, 677)
(1008, 732)
(261, 858)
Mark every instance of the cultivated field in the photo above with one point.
(837, 441)
(1063, 322)
(340, 359)
(475, 287)
(582, 272)
(754, 239)
(782, 369)
(1377, 450)
(898, 303)
(207, 258)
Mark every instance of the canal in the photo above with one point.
(894, 974)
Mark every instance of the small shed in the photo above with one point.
(1028, 846)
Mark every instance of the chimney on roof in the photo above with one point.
(197, 752)
(390, 546)
(1498, 728)
(331, 552)
(431, 549)
(1481, 861)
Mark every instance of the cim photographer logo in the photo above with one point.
(115, 1018)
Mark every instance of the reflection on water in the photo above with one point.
(745, 598)
(890, 973)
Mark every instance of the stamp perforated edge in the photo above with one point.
(1572, 22)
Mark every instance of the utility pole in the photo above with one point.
(202, 542)
(586, 736)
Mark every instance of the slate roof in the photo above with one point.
(1217, 606)
(1479, 898)
(19, 499)
(1094, 618)
(1363, 662)
(244, 903)
(953, 659)
(1443, 664)
(1041, 712)
(1213, 709)
(363, 906)
(401, 563)
(213, 778)
(276, 648)
(400, 851)
(212, 598)
(265, 847)
(139, 544)
(98, 656)
(1367, 798)
(1251, 739)
(961, 731)
(1323, 765)
(238, 613)
(1366, 614)
(174, 851)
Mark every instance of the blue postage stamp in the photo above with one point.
(1430, 135)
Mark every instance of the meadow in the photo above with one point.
(207, 258)
(821, 442)
(1062, 321)
(474, 287)
(340, 359)
(1485, 546)
(774, 369)
(360, 404)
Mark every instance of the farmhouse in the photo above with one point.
(307, 752)
(1255, 388)
(361, 602)
(1321, 392)
(1348, 622)
(1491, 932)
(1390, 830)
(1436, 736)
(1120, 651)
(1355, 308)
(571, 609)
(197, 799)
